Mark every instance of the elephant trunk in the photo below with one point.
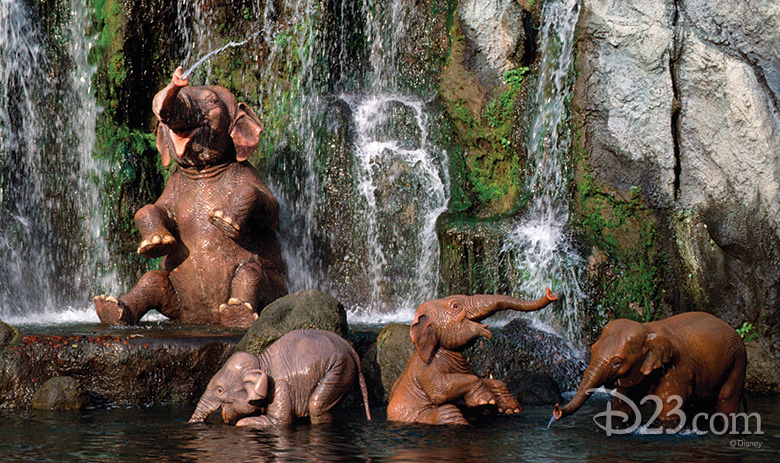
(593, 377)
(482, 306)
(208, 403)
(176, 108)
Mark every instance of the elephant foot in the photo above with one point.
(225, 223)
(112, 311)
(157, 245)
(237, 314)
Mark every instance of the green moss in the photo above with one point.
(624, 228)
(487, 128)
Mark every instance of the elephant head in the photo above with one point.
(625, 353)
(239, 388)
(203, 126)
(453, 322)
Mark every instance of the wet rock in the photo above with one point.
(536, 365)
(763, 367)
(60, 393)
(385, 360)
(308, 309)
(150, 365)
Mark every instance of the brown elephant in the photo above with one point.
(214, 222)
(693, 355)
(303, 374)
(437, 374)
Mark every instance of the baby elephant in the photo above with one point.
(304, 373)
(437, 375)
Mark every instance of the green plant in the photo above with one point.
(747, 332)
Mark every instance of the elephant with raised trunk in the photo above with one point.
(437, 375)
(215, 221)
(303, 374)
(693, 355)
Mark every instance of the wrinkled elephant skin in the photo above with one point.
(303, 374)
(693, 355)
(438, 375)
(214, 223)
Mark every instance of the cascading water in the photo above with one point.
(53, 256)
(539, 248)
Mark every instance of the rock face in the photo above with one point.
(681, 99)
(495, 30)
(308, 309)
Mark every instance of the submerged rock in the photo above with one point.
(308, 309)
(60, 393)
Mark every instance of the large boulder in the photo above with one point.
(307, 309)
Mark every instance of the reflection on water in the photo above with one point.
(163, 434)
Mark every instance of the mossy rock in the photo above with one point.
(308, 309)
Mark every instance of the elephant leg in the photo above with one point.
(731, 392)
(332, 387)
(251, 289)
(443, 414)
(154, 225)
(505, 401)
(153, 291)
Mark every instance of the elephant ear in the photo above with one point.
(245, 132)
(423, 336)
(162, 134)
(658, 352)
(256, 385)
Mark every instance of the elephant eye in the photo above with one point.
(220, 391)
(617, 363)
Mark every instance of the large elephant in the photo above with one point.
(303, 374)
(437, 374)
(214, 222)
(693, 355)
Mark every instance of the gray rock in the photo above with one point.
(60, 393)
(494, 31)
(385, 360)
(308, 309)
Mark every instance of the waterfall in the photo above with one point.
(53, 256)
(539, 248)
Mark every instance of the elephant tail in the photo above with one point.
(361, 382)
(364, 392)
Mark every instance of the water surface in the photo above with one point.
(163, 434)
